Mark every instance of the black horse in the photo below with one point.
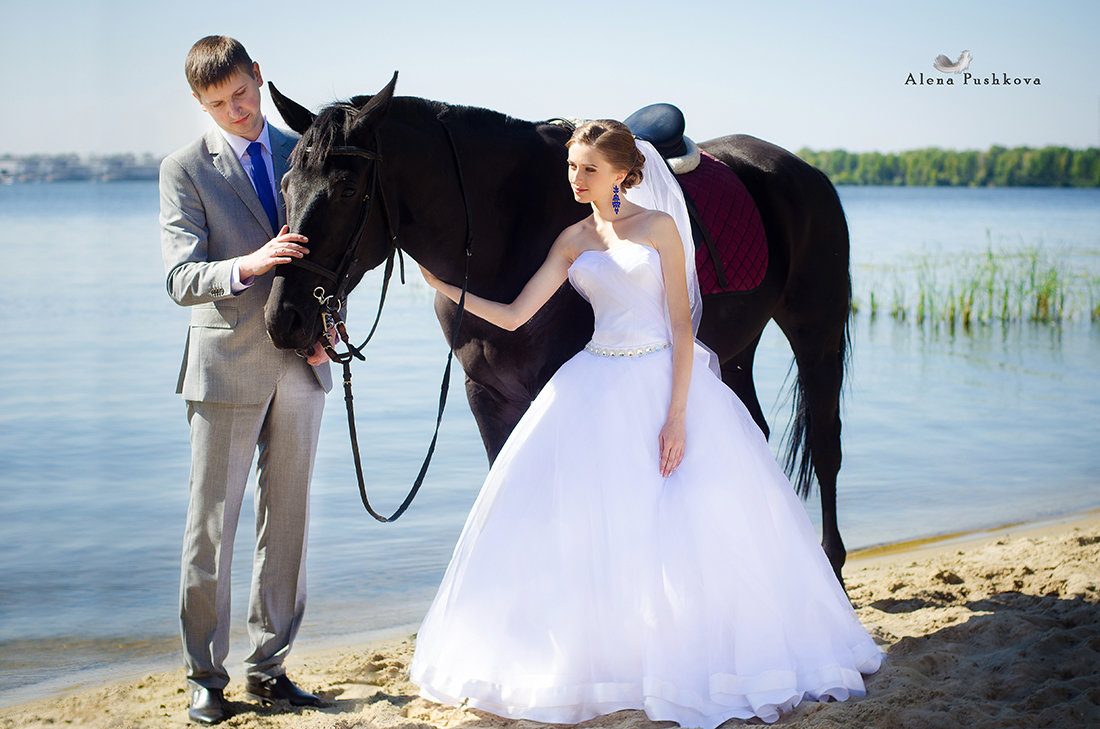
(381, 171)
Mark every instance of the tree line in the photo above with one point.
(997, 167)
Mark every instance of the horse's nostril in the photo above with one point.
(291, 318)
(291, 323)
(287, 326)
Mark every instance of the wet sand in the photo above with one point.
(987, 630)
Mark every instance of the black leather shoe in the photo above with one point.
(208, 706)
(279, 688)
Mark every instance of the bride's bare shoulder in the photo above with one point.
(575, 238)
(660, 229)
(584, 226)
(658, 218)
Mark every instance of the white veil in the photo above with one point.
(660, 191)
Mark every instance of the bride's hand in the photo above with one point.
(672, 439)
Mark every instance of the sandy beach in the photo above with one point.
(988, 630)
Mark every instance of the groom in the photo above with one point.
(222, 232)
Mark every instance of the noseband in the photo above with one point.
(332, 304)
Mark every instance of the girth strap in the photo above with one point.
(708, 241)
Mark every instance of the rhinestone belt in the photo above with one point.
(624, 351)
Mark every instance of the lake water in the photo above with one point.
(942, 432)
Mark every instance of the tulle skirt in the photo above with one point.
(585, 583)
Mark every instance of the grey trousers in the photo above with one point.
(224, 440)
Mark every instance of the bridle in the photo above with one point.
(332, 304)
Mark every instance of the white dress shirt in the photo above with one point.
(240, 148)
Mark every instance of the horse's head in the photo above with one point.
(333, 197)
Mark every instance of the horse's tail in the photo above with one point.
(798, 460)
(797, 463)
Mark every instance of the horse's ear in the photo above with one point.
(296, 116)
(376, 108)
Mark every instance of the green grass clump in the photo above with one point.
(1002, 287)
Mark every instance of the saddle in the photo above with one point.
(731, 250)
(662, 125)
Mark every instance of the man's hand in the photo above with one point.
(317, 354)
(280, 249)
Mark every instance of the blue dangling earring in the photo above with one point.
(615, 199)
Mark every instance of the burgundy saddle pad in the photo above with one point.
(730, 215)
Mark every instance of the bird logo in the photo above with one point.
(945, 64)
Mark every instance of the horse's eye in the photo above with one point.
(347, 192)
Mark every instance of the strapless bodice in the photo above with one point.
(626, 289)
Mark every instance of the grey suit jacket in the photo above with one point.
(210, 215)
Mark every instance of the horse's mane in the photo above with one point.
(333, 124)
(329, 130)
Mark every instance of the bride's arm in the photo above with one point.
(666, 239)
(538, 290)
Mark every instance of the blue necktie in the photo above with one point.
(257, 169)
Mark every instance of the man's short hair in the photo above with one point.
(213, 59)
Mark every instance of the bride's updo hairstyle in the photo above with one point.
(614, 141)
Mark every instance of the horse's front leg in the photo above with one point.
(496, 416)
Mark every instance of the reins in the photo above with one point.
(331, 305)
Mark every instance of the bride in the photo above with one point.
(635, 545)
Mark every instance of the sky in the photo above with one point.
(106, 76)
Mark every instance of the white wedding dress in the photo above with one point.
(584, 582)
